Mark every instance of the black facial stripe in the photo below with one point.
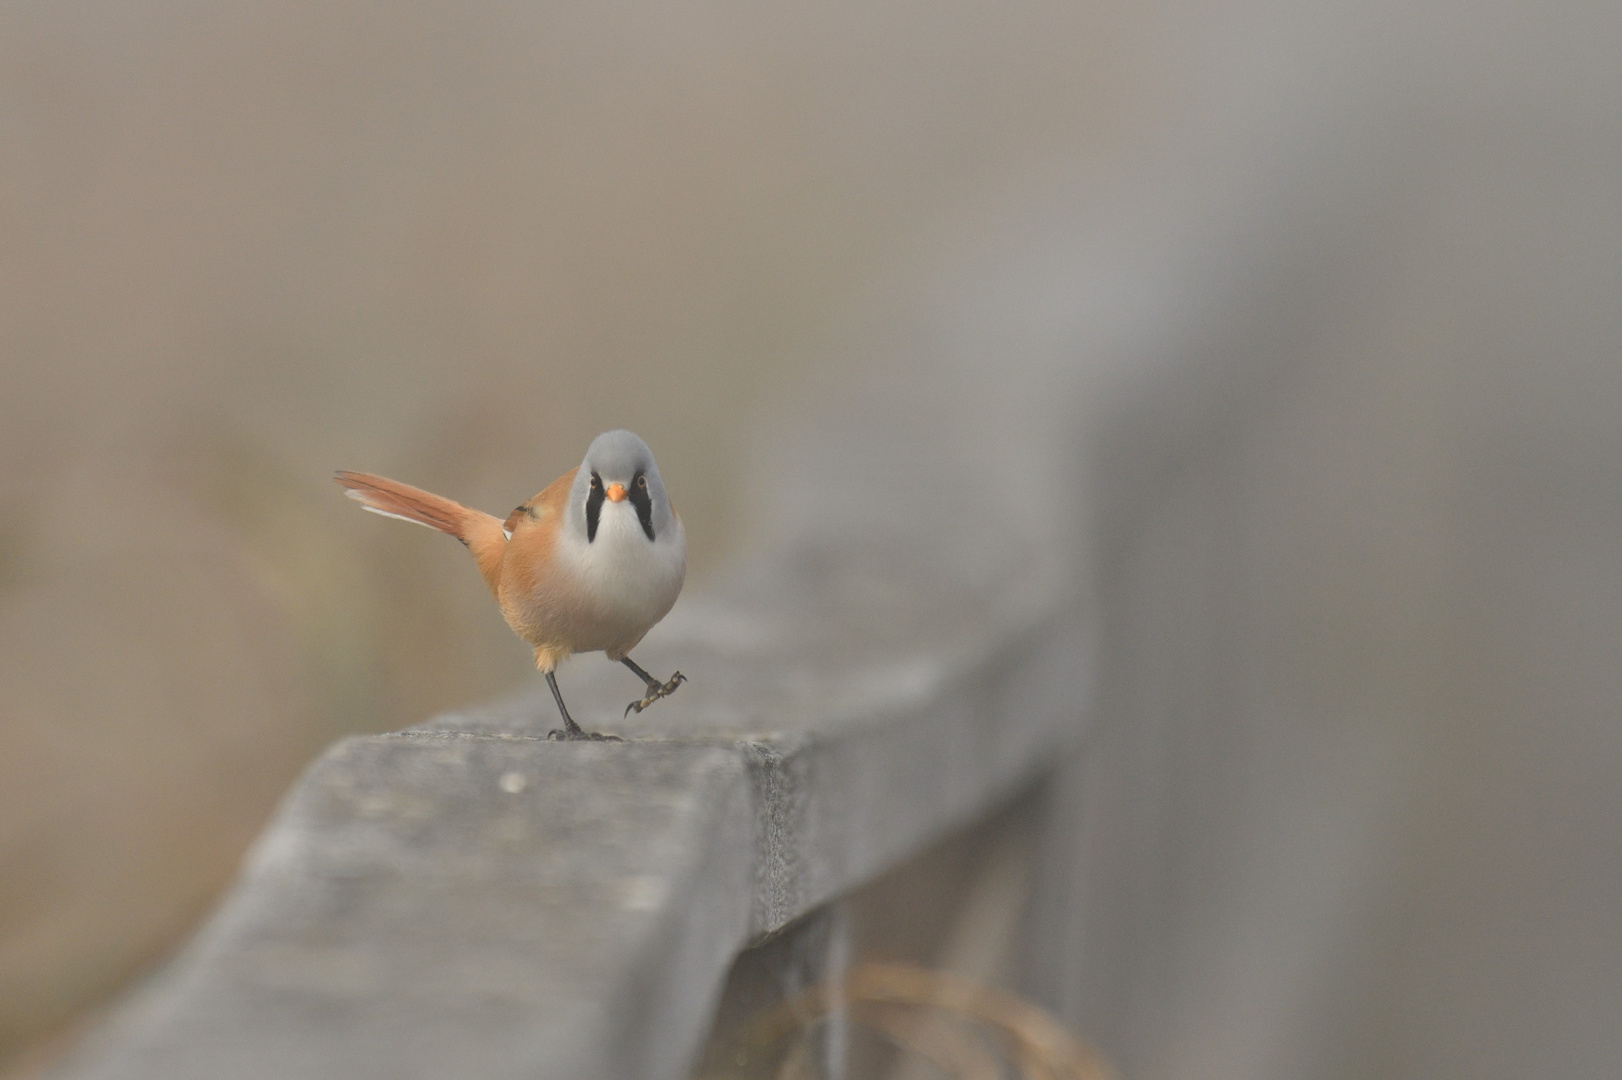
(594, 507)
(643, 501)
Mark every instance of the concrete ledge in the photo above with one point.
(467, 899)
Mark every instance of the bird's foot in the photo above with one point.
(656, 691)
(576, 734)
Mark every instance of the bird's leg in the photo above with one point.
(656, 689)
(571, 730)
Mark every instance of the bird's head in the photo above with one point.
(619, 477)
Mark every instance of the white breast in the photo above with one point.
(625, 581)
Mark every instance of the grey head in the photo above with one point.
(620, 458)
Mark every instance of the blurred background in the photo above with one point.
(1321, 300)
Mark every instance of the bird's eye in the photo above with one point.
(594, 481)
(642, 481)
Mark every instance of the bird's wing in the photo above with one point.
(545, 508)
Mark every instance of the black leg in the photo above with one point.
(637, 670)
(570, 730)
(656, 689)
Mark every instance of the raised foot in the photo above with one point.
(655, 692)
(577, 735)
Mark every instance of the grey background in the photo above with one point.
(1293, 328)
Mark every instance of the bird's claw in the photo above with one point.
(655, 692)
(577, 735)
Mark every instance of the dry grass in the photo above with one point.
(965, 1029)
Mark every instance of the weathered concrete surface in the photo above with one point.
(461, 906)
(468, 899)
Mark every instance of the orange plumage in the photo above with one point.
(589, 564)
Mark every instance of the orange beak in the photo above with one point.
(615, 492)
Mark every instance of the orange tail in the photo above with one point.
(481, 532)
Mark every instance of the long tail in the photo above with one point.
(481, 532)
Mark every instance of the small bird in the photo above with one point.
(589, 564)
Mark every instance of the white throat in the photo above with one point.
(628, 581)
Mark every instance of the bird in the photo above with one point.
(590, 564)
